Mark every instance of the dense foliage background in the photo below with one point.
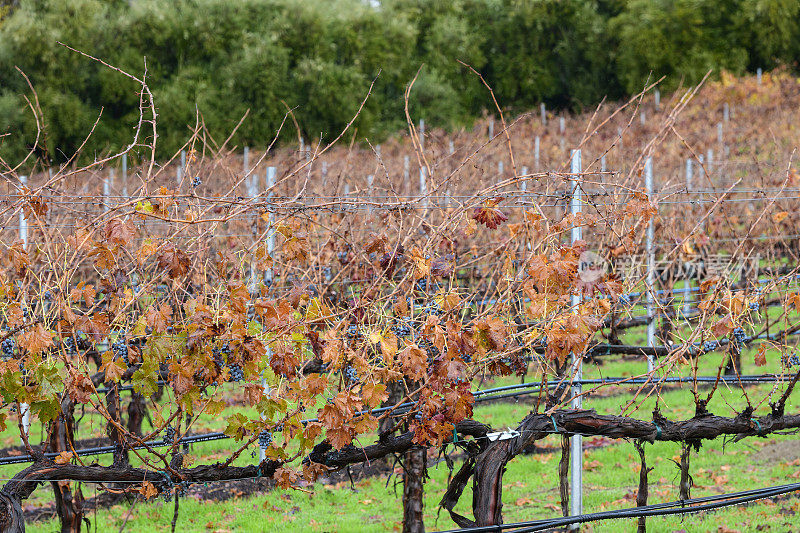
(223, 58)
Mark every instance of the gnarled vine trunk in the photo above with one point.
(413, 490)
(69, 502)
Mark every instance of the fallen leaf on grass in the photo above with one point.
(591, 465)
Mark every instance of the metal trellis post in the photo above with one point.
(651, 271)
(576, 441)
(125, 175)
(107, 188)
(268, 273)
(423, 185)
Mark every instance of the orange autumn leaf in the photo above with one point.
(36, 340)
(148, 490)
(63, 458)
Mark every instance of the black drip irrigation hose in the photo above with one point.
(692, 505)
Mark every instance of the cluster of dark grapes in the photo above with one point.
(401, 329)
(421, 285)
(120, 348)
(351, 374)
(739, 335)
(352, 331)
(624, 300)
(754, 306)
(428, 346)
(237, 374)
(221, 356)
(710, 346)
(169, 435)
(182, 488)
(217, 355)
(467, 358)
(69, 346)
(793, 360)
(264, 439)
(8, 348)
(433, 309)
(196, 181)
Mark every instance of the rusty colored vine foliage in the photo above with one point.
(174, 284)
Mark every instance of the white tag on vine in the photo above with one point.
(502, 435)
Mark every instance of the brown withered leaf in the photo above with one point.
(375, 243)
(373, 394)
(103, 256)
(119, 232)
(81, 240)
(779, 217)
(724, 326)
(296, 249)
(311, 471)
(148, 490)
(443, 266)
(14, 315)
(34, 207)
(253, 392)
(112, 369)
(489, 214)
(174, 261)
(422, 263)
(18, 257)
(158, 316)
(413, 361)
(761, 356)
(79, 388)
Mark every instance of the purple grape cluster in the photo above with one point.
(351, 374)
(8, 348)
(237, 374)
(264, 439)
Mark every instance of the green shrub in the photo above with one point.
(223, 59)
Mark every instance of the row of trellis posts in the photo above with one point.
(252, 183)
